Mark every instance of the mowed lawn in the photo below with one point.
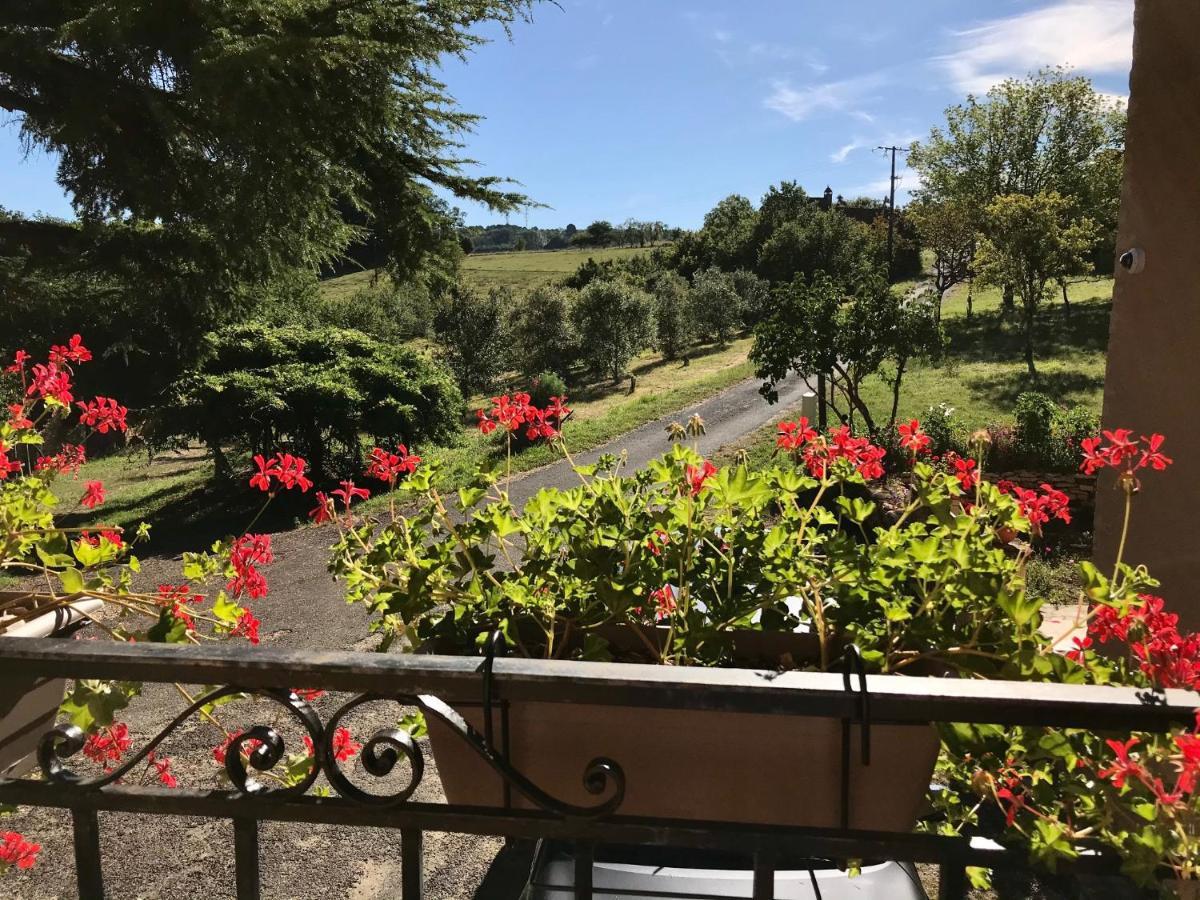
(521, 271)
(984, 370)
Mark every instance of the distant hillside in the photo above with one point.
(520, 271)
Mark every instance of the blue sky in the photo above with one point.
(656, 109)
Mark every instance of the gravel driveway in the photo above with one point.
(171, 857)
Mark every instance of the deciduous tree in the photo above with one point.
(617, 321)
(946, 229)
(470, 327)
(716, 306)
(1030, 241)
(821, 325)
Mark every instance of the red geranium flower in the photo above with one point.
(793, 436)
(93, 494)
(664, 601)
(17, 418)
(162, 768)
(17, 852)
(348, 492)
(247, 553)
(108, 745)
(103, 414)
(67, 460)
(18, 363)
(390, 466)
(321, 512)
(698, 475)
(1122, 767)
(74, 352)
(966, 473)
(7, 466)
(913, 439)
(247, 626)
(49, 381)
(267, 469)
(344, 746)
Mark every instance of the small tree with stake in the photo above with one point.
(946, 229)
(1029, 242)
(819, 326)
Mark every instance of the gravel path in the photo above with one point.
(168, 857)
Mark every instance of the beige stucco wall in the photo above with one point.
(1153, 378)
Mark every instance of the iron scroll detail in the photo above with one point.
(260, 748)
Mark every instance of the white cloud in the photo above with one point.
(840, 154)
(721, 36)
(1095, 36)
(891, 139)
(907, 181)
(832, 96)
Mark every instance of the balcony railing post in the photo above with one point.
(412, 862)
(952, 876)
(245, 855)
(764, 877)
(585, 857)
(88, 874)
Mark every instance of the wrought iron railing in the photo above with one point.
(437, 685)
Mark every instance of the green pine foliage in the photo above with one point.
(318, 392)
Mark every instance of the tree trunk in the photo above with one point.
(970, 297)
(901, 364)
(222, 471)
(1008, 299)
(1030, 307)
(1066, 297)
(854, 400)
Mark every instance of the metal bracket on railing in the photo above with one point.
(852, 665)
(496, 645)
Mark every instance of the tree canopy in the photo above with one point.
(1029, 241)
(1051, 131)
(820, 325)
(276, 130)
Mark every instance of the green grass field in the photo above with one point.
(521, 271)
(984, 371)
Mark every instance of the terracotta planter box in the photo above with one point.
(687, 764)
(28, 706)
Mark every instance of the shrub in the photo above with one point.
(716, 305)
(1046, 434)
(383, 309)
(588, 272)
(541, 338)
(618, 320)
(755, 296)
(470, 328)
(941, 428)
(673, 314)
(545, 386)
(315, 391)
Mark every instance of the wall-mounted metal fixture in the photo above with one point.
(1133, 260)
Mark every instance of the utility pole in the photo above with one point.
(891, 204)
